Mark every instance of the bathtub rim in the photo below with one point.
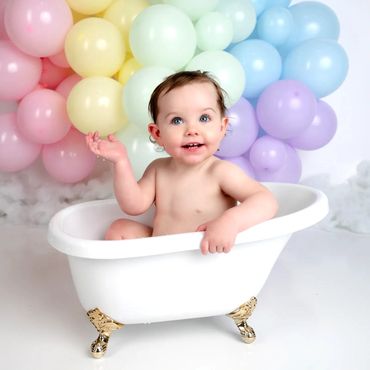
(166, 244)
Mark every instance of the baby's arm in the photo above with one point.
(257, 204)
(132, 196)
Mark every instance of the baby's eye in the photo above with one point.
(176, 120)
(204, 118)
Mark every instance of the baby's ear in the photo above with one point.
(154, 131)
(224, 123)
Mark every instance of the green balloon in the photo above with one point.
(140, 150)
(137, 92)
(162, 35)
(193, 8)
(226, 69)
(214, 31)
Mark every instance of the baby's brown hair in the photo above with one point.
(180, 79)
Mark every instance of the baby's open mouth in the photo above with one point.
(192, 145)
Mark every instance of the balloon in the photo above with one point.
(320, 131)
(225, 68)
(128, 69)
(275, 25)
(319, 63)
(244, 164)
(290, 172)
(52, 75)
(60, 60)
(214, 31)
(65, 87)
(242, 130)
(242, 15)
(140, 150)
(312, 19)
(94, 47)
(164, 36)
(94, 104)
(3, 34)
(259, 5)
(16, 152)
(38, 27)
(194, 8)
(19, 72)
(89, 7)
(122, 13)
(137, 92)
(270, 3)
(69, 160)
(286, 108)
(268, 153)
(261, 63)
(42, 117)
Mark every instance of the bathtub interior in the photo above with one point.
(90, 220)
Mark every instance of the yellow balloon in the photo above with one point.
(95, 104)
(123, 12)
(94, 47)
(89, 7)
(128, 69)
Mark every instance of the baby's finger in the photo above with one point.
(204, 247)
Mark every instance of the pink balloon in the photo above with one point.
(16, 152)
(69, 160)
(42, 117)
(3, 34)
(65, 87)
(52, 75)
(60, 60)
(38, 27)
(19, 72)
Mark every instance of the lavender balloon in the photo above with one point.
(242, 130)
(290, 172)
(244, 164)
(320, 131)
(286, 108)
(268, 153)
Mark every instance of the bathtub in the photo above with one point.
(165, 277)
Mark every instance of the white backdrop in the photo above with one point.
(351, 143)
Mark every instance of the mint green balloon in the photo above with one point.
(162, 35)
(214, 31)
(193, 8)
(140, 150)
(137, 92)
(242, 14)
(226, 69)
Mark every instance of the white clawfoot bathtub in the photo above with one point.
(166, 278)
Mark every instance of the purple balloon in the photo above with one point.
(244, 164)
(286, 108)
(268, 153)
(321, 130)
(290, 172)
(242, 130)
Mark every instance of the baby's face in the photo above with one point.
(189, 123)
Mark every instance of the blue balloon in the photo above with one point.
(259, 5)
(312, 20)
(275, 25)
(319, 63)
(261, 63)
(270, 3)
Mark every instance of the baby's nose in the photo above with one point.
(192, 130)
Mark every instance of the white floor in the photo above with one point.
(313, 313)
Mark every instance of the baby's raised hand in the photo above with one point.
(111, 148)
(219, 235)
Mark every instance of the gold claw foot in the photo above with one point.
(104, 325)
(240, 316)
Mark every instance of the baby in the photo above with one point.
(192, 189)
